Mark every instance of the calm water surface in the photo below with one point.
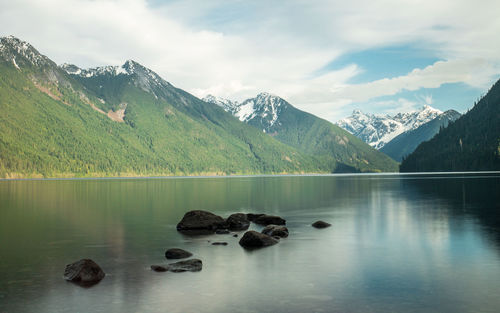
(422, 243)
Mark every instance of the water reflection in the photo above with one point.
(402, 244)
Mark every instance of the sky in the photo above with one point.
(326, 57)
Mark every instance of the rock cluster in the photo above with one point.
(87, 272)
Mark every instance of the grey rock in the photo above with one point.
(193, 265)
(238, 221)
(158, 268)
(275, 231)
(201, 221)
(219, 243)
(253, 239)
(252, 216)
(269, 219)
(222, 231)
(176, 253)
(84, 271)
(321, 224)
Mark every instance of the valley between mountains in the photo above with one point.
(115, 121)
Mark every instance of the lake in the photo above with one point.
(398, 243)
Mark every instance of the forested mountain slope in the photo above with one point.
(472, 143)
(120, 121)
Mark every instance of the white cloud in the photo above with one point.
(237, 49)
(475, 72)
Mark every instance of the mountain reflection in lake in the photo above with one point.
(401, 243)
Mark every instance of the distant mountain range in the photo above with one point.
(307, 133)
(405, 143)
(378, 130)
(471, 143)
(64, 121)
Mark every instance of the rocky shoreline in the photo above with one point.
(86, 272)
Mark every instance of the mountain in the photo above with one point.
(330, 144)
(121, 121)
(407, 142)
(471, 143)
(378, 130)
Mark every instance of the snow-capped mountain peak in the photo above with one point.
(228, 105)
(143, 77)
(13, 49)
(263, 110)
(377, 130)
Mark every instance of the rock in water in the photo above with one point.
(84, 271)
(176, 253)
(193, 265)
(275, 231)
(201, 221)
(222, 231)
(269, 219)
(219, 243)
(321, 224)
(252, 216)
(253, 239)
(238, 221)
(158, 268)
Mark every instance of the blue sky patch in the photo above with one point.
(381, 63)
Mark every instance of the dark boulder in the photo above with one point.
(176, 253)
(253, 239)
(193, 265)
(238, 221)
(158, 268)
(219, 243)
(321, 224)
(201, 221)
(269, 219)
(251, 216)
(275, 231)
(84, 271)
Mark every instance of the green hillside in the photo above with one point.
(55, 125)
(407, 142)
(472, 143)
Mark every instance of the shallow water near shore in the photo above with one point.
(398, 243)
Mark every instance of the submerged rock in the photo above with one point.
(238, 221)
(176, 253)
(321, 224)
(84, 271)
(158, 268)
(253, 239)
(222, 231)
(269, 219)
(193, 265)
(201, 221)
(219, 243)
(275, 231)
